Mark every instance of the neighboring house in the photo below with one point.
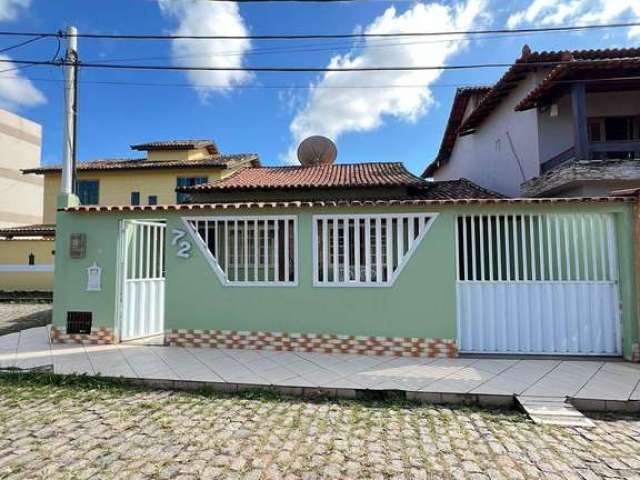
(20, 206)
(352, 258)
(20, 196)
(148, 180)
(561, 123)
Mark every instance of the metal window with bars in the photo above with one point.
(250, 251)
(364, 250)
(536, 248)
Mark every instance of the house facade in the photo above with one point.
(379, 263)
(556, 124)
(27, 259)
(20, 147)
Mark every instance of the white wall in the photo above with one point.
(556, 133)
(486, 157)
(20, 195)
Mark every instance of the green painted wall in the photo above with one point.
(417, 305)
(420, 304)
(70, 281)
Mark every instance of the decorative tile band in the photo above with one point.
(98, 336)
(309, 342)
(635, 353)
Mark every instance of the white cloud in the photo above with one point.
(333, 111)
(10, 9)
(579, 12)
(209, 18)
(16, 90)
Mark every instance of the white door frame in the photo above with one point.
(149, 285)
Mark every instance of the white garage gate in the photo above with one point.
(538, 284)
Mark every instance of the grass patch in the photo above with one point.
(84, 382)
(41, 382)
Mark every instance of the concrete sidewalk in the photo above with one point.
(590, 385)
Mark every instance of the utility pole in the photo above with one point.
(68, 185)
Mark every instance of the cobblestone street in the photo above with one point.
(87, 430)
(20, 316)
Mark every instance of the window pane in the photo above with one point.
(153, 200)
(135, 198)
(188, 182)
(594, 130)
(88, 192)
(618, 128)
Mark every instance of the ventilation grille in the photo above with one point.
(79, 323)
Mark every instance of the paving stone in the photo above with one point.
(54, 431)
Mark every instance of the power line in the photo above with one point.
(113, 36)
(289, 86)
(21, 44)
(202, 68)
(29, 65)
(252, 87)
(302, 48)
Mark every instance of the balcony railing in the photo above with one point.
(618, 150)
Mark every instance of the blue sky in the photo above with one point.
(244, 113)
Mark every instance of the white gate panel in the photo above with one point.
(538, 283)
(542, 317)
(143, 279)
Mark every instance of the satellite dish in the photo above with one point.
(317, 150)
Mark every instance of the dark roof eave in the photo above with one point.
(117, 169)
(45, 230)
(310, 188)
(156, 165)
(344, 203)
(431, 169)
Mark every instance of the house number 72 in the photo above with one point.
(184, 247)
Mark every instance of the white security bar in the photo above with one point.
(364, 250)
(535, 248)
(250, 251)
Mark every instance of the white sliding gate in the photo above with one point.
(142, 283)
(538, 284)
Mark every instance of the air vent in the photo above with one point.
(79, 322)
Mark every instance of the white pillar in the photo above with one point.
(68, 138)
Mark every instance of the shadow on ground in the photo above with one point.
(22, 318)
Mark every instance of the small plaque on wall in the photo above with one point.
(77, 245)
(94, 278)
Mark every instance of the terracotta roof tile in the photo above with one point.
(176, 145)
(39, 230)
(215, 161)
(345, 203)
(457, 189)
(322, 176)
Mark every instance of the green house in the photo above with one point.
(356, 258)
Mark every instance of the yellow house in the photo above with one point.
(26, 253)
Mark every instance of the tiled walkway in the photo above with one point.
(587, 380)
